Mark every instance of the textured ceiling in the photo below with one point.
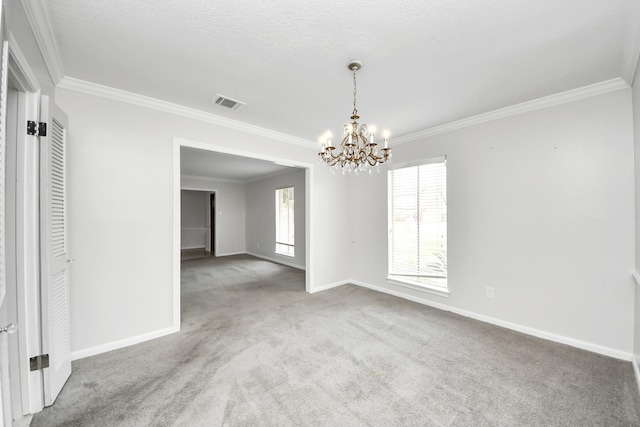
(426, 63)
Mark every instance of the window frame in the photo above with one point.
(290, 223)
(397, 279)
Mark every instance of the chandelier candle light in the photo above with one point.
(358, 150)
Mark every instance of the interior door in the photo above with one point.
(54, 251)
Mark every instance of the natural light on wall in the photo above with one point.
(285, 236)
(418, 225)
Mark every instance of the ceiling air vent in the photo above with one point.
(226, 102)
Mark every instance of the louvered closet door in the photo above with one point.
(55, 251)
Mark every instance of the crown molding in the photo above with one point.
(95, 89)
(42, 30)
(631, 52)
(524, 107)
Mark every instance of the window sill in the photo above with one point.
(419, 287)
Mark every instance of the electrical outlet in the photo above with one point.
(489, 292)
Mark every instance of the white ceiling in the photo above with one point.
(200, 163)
(426, 63)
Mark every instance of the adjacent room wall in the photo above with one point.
(261, 217)
(230, 212)
(194, 219)
(541, 208)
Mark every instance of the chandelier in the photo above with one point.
(358, 151)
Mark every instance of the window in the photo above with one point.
(285, 236)
(418, 226)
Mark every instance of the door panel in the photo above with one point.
(54, 251)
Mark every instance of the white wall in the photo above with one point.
(261, 216)
(120, 158)
(230, 212)
(541, 209)
(194, 221)
(636, 126)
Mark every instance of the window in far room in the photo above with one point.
(418, 226)
(285, 236)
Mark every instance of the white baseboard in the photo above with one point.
(595, 348)
(191, 247)
(277, 260)
(231, 253)
(329, 286)
(103, 348)
(618, 354)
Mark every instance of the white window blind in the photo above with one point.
(285, 226)
(418, 224)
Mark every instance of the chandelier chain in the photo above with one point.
(355, 110)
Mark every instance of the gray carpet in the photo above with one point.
(256, 350)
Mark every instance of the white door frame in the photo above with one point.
(309, 223)
(27, 234)
(213, 244)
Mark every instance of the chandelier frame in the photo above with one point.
(358, 151)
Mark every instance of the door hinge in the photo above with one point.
(39, 362)
(37, 129)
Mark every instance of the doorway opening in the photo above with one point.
(237, 220)
(197, 221)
